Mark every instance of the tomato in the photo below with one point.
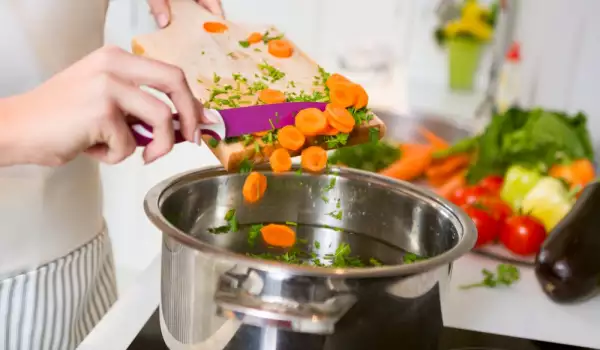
(487, 226)
(523, 235)
(492, 183)
(468, 195)
(497, 207)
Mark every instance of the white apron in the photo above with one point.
(56, 271)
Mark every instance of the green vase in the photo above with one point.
(463, 55)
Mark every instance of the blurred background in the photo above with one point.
(390, 46)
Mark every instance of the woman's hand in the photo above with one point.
(162, 13)
(86, 108)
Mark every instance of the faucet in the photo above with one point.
(505, 32)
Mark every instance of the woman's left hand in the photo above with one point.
(162, 13)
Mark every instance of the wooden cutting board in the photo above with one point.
(218, 61)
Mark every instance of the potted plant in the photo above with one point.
(465, 37)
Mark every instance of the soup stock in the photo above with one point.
(219, 291)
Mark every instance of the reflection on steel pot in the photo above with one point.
(208, 279)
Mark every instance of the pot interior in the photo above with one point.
(374, 217)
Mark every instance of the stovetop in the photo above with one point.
(150, 338)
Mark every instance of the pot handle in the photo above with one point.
(240, 296)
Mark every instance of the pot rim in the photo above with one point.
(155, 195)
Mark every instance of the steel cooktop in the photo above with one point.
(150, 338)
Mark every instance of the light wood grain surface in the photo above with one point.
(216, 60)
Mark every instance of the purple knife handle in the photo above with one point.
(143, 132)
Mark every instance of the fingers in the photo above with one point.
(118, 143)
(161, 76)
(161, 11)
(135, 102)
(213, 6)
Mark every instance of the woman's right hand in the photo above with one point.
(86, 109)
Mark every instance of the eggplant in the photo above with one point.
(568, 264)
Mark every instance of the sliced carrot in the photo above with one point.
(342, 94)
(254, 187)
(280, 48)
(579, 172)
(270, 96)
(436, 141)
(338, 116)
(454, 183)
(254, 38)
(137, 48)
(280, 160)
(215, 27)
(291, 138)
(447, 166)
(362, 99)
(331, 131)
(311, 121)
(261, 133)
(313, 158)
(278, 235)
(335, 79)
(409, 166)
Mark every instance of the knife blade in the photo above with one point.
(235, 122)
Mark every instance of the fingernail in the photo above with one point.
(198, 136)
(163, 20)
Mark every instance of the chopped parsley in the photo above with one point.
(271, 72)
(246, 166)
(213, 143)
(336, 141)
(317, 245)
(291, 223)
(361, 116)
(336, 214)
(410, 258)
(267, 37)
(253, 234)
(244, 43)
(216, 78)
(373, 134)
(505, 275)
(231, 226)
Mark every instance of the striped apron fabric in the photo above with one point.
(55, 306)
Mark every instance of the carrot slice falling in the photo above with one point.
(311, 121)
(215, 27)
(254, 187)
(362, 99)
(280, 160)
(335, 78)
(342, 94)
(291, 138)
(254, 38)
(314, 158)
(280, 48)
(278, 235)
(270, 96)
(339, 116)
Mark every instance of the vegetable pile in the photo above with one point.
(516, 180)
(527, 170)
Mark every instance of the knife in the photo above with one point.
(235, 121)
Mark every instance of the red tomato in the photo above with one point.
(468, 195)
(487, 226)
(492, 183)
(497, 208)
(523, 235)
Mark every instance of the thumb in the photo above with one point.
(161, 11)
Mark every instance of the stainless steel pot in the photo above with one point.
(207, 279)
